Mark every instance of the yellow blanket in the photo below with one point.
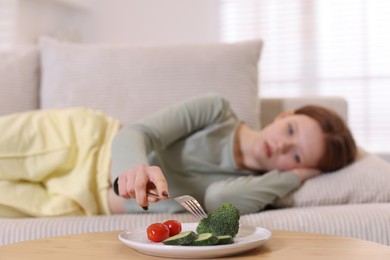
(55, 162)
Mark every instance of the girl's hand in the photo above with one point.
(306, 173)
(135, 182)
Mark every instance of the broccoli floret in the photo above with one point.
(222, 221)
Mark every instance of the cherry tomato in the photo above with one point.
(157, 232)
(174, 227)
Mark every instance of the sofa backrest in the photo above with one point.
(130, 82)
(168, 75)
(19, 80)
(271, 107)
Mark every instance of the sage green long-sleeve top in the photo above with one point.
(192, 142)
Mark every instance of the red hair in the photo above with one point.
(340, 146)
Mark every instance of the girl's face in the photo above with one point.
(291, 141)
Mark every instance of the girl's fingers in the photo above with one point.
(158, 179)
(140, 183)
(153, 198)
(136, 182)
(130, 178)
(122, 186)
(306, 173)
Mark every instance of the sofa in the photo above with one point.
(129, 82)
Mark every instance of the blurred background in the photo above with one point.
(312, 47)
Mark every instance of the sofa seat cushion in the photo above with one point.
(363, 221)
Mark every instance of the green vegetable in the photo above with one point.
(225, 240)
(222, 221)
(183, 238)
(205, 239)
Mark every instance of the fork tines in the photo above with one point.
(196, 208)
(192, 205)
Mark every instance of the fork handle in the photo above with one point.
(115, 187)
(116, 190)
(152, 195)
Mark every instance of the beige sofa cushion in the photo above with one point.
(19, 80)
(129, 82)
(364, 181)
(368, 221)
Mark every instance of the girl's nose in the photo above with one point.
(285, 146)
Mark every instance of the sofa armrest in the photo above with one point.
(271, 107)
(385, 156)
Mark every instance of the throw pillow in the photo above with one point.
(129, 82)
(364, 181)
(19, 80)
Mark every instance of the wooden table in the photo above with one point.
(283, 245)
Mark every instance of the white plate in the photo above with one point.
(248, 238)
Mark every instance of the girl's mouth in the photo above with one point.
(267, 149)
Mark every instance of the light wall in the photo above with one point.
(135, 21)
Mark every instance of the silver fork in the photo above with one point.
(189, 203)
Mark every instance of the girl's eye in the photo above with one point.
(297, 158)
(290, 129)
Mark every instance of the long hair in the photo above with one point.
(340, 146)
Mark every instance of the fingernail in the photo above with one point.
(165, 194)
(145, 208)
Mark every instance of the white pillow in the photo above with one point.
(366, 180)
(19, 80)
(129, 82)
